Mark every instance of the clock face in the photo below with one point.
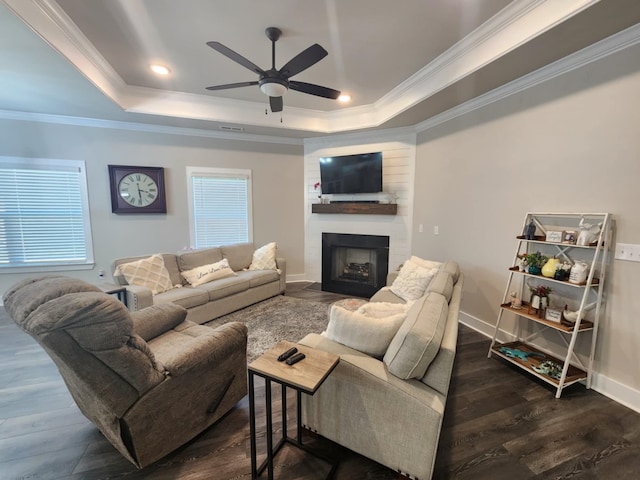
(138, 189)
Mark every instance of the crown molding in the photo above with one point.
(613, 44)
(514, 25)
(144, 127)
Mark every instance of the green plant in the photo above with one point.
(534, 259)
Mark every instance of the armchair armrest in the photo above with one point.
(157, 319)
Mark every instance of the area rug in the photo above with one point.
(275, 319)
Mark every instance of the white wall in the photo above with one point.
(398, 156)
(570, 144)
(277, 171)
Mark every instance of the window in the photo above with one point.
(44, 215)
(219, 206)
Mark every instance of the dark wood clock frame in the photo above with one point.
(118, 205)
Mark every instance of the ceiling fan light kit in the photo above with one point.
(275, 83)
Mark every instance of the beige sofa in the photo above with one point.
(213, 299)
(149, 380)
(390, 409)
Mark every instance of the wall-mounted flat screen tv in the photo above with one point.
(361, 173)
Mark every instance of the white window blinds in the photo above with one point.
(220, 206)
(44, 219)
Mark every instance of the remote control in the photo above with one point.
(287, 354)
(295, 359)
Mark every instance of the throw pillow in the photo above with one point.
(412, 281)
(149, 272)
(208, 273)
(264, 258)
(383, 309)
(366, 334)
(425, 263)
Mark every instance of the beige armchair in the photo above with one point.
(150, 381)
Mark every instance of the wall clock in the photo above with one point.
(137, 189)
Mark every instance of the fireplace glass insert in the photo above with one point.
(354, 264)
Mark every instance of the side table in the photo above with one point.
(119, 291)
(306, 377)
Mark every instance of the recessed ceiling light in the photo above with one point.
(160, 69)
(344, 98)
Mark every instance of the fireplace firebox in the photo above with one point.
(354, 264)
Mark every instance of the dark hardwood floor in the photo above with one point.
(499, 424)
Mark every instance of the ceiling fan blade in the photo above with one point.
(312, 89)
(303, 60)
(236, 57)
(276, 104)
(232, 85)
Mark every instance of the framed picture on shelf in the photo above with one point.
(570, 237)
(555, 236)
(553, 315)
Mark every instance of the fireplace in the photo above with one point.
(354, 264)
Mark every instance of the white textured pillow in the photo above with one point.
(383, 309)
(264, 258)
(208, 273)
(366, 334)
(412, 281)
(149, 272)
(429, 264)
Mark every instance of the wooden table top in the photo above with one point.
(306, 375)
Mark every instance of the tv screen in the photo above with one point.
(361, 173)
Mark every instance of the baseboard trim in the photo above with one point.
(613, 389)
(296, 278)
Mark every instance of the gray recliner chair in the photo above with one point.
(149, 380)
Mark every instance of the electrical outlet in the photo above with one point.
(628, 252)
(436, 230)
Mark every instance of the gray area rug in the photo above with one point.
(275, 319)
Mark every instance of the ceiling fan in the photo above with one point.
(275, 83)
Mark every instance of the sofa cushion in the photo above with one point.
(417, 342)
(259, 277)
(442, 283)
(187, 297)
(386, 295)
(239, 255)
(225, 287)
(453, 268)
(190, 259)
(367, 334)
(412, 281)
(208, 273)
(264, 258)
(148, 272)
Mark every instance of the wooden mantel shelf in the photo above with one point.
(356, 208)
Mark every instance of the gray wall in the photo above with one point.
(570, 144)
(277, 170)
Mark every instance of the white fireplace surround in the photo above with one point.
(398, 166)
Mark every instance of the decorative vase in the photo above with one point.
(579, 272)
(534, 270)
(549, 268)
(535, 301)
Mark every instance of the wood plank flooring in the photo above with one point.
(499, 424)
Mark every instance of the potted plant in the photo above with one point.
(534, 262)
(539, 298)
